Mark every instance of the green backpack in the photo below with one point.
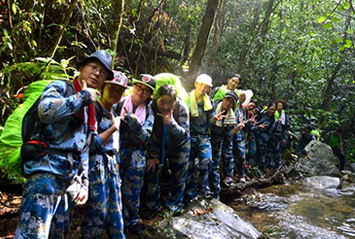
(19, 128)
(170, 79)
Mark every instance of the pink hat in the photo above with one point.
(119, 79)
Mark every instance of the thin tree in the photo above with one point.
(202, 39)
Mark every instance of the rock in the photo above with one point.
(319, 161)
(348, 176)
(322, 182)
(203, 219)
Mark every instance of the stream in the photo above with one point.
(300, 211)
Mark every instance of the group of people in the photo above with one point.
(104, 147)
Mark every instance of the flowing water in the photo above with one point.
(299, 211)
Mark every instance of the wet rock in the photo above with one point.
(348, 176)
(322, 182)
(203, 219)
(319, 161)
(268, 202)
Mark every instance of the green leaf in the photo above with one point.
(342, 48)
(64, 63)
(347, 45)
(46, 59)
(328, 25)
(9, 45)
(346, 5)
(34, 43)
(350, 31)
(321, 19)
(339, 40)
(348, 42)
(335, 19)
(14, 8)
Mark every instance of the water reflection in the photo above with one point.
(298, 211)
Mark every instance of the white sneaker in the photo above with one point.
(242, 180)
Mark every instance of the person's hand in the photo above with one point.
(239, 127)
(116, 121)
(131, 114)
(82, 197)
(262, 125)
(167, 118)
(218, 116)
(279, 120)
(94, 93)
(252, 119)
(152, 164)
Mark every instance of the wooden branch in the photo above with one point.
(67, 18)
(238, 188)
(170, 54)
(116, 25)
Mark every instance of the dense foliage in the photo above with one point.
(301, 50)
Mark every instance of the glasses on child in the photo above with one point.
(141, 89)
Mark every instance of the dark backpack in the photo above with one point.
(31, 123)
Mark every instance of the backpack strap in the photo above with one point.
(69, 88)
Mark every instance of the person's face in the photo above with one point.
(94, 73)
(112, 93)
(201, 89)
(233, 83)
(271, 111)
(227, 104)
(141, 93)
(242, 98)
(166, 104)
(280, 107)
(337, 133)
(250, 106)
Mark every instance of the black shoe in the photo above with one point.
(134, 229)
(149, 214)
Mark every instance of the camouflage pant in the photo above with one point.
(274, 152)
(222, 146)
(262, 142)
(201, 149)
(132, 173)
(104, 208)
(178, 164)
(239, 157)
(252, 150)
(47, 203)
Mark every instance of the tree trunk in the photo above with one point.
(67, 18)
(218, 26)
(186, 44)
(202, 39)
(264, 28)
(328, 91)
(266, 18)
(118, 7)
(252, 28)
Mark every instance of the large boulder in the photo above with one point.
(207, 219)
(322, 182)
(318, 161)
